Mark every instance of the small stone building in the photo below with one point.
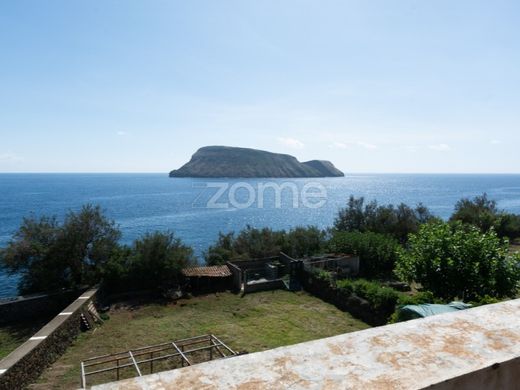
(208, 279)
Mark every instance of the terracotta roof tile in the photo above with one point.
(217, 271)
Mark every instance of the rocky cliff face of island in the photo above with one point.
(225, 161)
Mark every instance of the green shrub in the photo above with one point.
(398, 221)
(153, 262)
(51, 256)
(418, 298)
(323, 275)
(304, 241)
(379, 297)
(485, 300)
(484, 214)
(377, 252)
(458, 261)
(157, 259)
(251, 243)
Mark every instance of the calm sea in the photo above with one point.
(141, 203)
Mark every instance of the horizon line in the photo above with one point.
(166, 173)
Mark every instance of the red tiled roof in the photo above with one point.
(217, 271)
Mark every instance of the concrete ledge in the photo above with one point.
(472, 349)
(35, 306)
(27, 362)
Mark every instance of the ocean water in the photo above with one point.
(142, 203)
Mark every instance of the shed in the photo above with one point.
(208, 279)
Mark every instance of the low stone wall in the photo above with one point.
(27, 362)
(35, 306)
(263, 286)
(357, 306)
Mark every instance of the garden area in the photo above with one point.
(407, 256)
(252, 323)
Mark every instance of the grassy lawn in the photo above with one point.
(14, 335)
(252, 323)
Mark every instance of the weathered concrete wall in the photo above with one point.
(468, 350)
(236, 275)
(35, 306)
(27, 362)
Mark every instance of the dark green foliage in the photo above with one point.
(321, 275)
(252, 243)
(222, 251)
(508, 225)
(377, 252)
(480, 212)
(380, 297)
(50, 256)
(484, 214)
(153, 262)
(418, 298)
(116, 272)
(156, 261)
(398, 221)
(485, 300)
(304, 241)
(459, 261)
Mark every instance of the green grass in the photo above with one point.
(252, 323)
(14, 335)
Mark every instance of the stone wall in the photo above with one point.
(27, 362)
(263, 286)
(357, 306)
(35, 306)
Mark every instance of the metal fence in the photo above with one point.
(185, 352)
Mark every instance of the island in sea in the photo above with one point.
(227, 161)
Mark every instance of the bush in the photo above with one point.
(304, 241)
(458, 261)
(377, 252)
(418, 298)
(51, 256)
(252, 243)
(380, 298)
(480, 212)
(222, 251)
(484, 214)
(485, 300)
(153, 262)
(156, 261)
(398, 221)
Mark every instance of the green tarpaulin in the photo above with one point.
(410, 312)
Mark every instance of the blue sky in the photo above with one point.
(373, 86)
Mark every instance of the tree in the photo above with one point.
(479, 211)
(397, 221)
(304, 241)
(377, 252)
(252, 243)
(456, 260)
(50, 256)
(156, 261)
(483, 213)
(222, 251)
